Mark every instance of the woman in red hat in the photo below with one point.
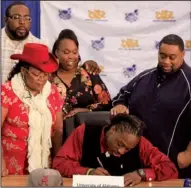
(31, 112)
(81, 91)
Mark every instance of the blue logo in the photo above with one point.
(98, 44)
(130, 71)
(157, 44)
(65, 14)
(132, 16)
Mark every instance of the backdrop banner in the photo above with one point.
(121, 36)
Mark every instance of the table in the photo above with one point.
(21, 181)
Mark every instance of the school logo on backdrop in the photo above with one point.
(65, 14)
(132, 16)
(129, 44)
(98, 44)
(96, 15)
(164, 16)
(130, 71)
(102, 73)
(187, 45)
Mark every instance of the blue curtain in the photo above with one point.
(35, 14)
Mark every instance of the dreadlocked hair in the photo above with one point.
(17, 69)
(128, 123)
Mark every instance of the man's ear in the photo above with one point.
(183, 53)
(113, 129)
(5, 19)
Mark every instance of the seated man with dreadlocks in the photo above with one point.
(118, 149)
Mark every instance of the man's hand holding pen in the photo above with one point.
(99, 171)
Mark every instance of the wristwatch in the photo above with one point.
(141, 173)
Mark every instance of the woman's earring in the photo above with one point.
(79, 58)
(23, 77)
(25, 86)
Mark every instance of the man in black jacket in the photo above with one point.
(161, 97)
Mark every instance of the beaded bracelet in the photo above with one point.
(89, 170)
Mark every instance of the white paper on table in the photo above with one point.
(97, 181)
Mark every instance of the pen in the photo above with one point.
(100, 163)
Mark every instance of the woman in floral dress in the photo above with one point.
(31, 112)
(81, 91)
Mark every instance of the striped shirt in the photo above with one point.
(9, 47)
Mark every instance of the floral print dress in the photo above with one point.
(15, 129)
(86, 91)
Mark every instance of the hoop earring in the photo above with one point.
(79, 58)
(25, 86)
(23, 77)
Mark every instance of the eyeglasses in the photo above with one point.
(19, 17)
(44, 74)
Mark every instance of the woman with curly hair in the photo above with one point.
(81, 91)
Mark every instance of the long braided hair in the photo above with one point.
(128, 123)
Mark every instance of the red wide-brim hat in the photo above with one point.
(37, 55)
